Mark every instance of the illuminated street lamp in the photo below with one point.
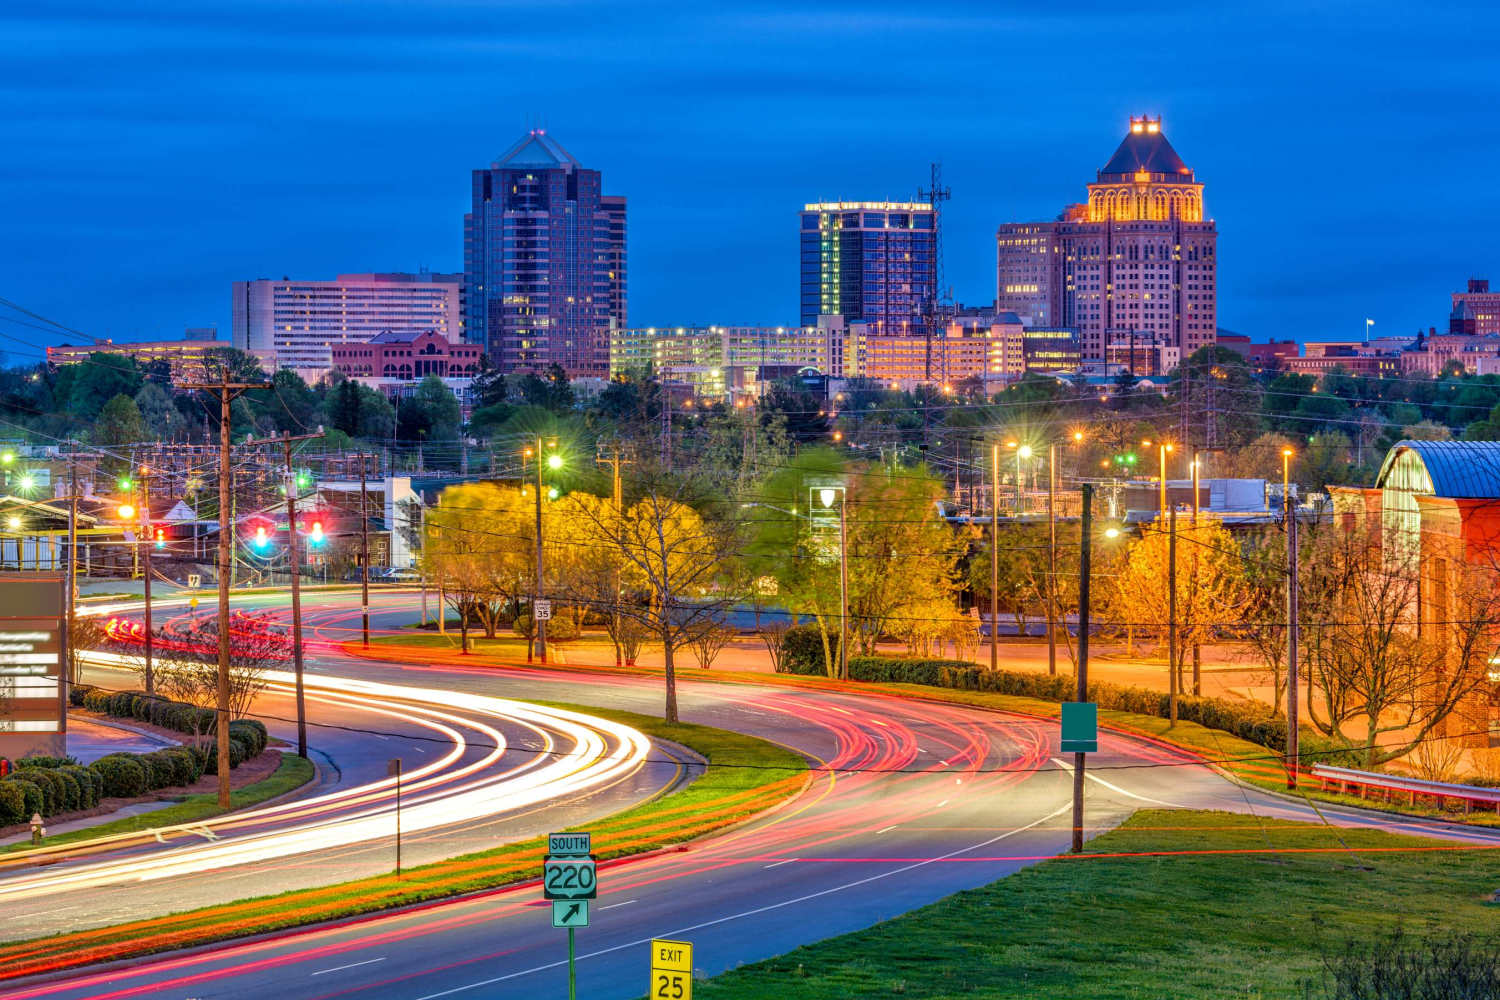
(827, 495)
(14, 522)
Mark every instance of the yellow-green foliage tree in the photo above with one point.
(1210, 584)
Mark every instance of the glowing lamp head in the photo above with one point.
(1168, 448)
(1077, 436)
(838, 436)
(125, 483)
(14, 522)
(1024, 451)
(28, 481)
(552, 493)
(317, 532)
(1286, 453)
(126, 510)
(7, 457)
(554, 461)
(1111, 533)
(161, 538)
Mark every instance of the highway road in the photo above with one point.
(911, 801)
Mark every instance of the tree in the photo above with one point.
(430, 416)
(1210, 585)
(1217, 390)
(119, 423)
(554, 393)
(677, 559)
(1374, 661)
(488, 386)
(159, 413)
(91, 384)
(1259, 459)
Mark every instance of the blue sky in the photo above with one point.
(157, 151)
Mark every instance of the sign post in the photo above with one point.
(671, 970)
(569, 881)
(393, 769)
(33, 649)
(542, 610)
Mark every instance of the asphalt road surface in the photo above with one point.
(910, 802)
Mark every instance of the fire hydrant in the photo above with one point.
(37, 830)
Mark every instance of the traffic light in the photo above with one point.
(125, 484)
(317, 532)
(161, 538)
(303, 479)
(126, 511)
(261, 541)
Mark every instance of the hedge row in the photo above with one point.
(802, 651)
(52, 785)
(174, 715)
(1248, 721)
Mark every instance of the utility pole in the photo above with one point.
(995, 556)
(294, 561)
(1172, 613)
(843, 585)
(364, 552)
(1051, 559)
(1085, 560)
(539, 625)
(1293, 637)
(1197, 651)
(144, 543)
(614, 463)
(72, 595)
(227, 391)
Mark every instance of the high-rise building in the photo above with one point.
(293, 324)
(871, 262)
(544, 261)
(1476, 311)
(1137, 260)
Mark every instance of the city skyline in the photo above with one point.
(193, 188)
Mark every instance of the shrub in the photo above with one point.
(72, 792)
(31, 797)
(39, 760)
(186, 764)
(203, 720)
(90, 785)
(12, 804)
(802, 651)
(53, 795)
(119, 703)
(237, 752)
(251, 732)
(562, 629)
(77, 693)
(142, 706)
(96, 700)
(160, 771)
(124, 776)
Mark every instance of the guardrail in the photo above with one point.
(1342, 779)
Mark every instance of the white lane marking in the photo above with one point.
(351, 965)
(44, 913)
(942, 803)
(1114, 788)
(758, 910)
(887, 829)
(611, 906)
(780, 863)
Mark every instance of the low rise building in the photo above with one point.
(188, 360)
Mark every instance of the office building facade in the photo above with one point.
(1139, 256)
(294, 324)
(870, 262)
(544, 261)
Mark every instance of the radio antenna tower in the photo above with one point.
(942, 298)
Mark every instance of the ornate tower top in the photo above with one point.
(1145, 179)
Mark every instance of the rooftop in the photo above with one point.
(1144, 148)
(537, 149)
(868, 206)
(1459, 469)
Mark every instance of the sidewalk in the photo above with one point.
(90, 739)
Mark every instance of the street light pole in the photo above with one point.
(1051, 559)
(1293, 631)
(1172, 678)
(995, 557)
(1085, 559)
(145, 547)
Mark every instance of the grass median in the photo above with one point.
(752, 775)
(1173, 903)
(293, 772)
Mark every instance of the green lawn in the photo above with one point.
(719, 798)
(1247, 925)
(507, 645)
(293, 772)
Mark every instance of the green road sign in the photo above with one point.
(570, 845)
(569, 878)
(1080, 727)
(570, 913)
